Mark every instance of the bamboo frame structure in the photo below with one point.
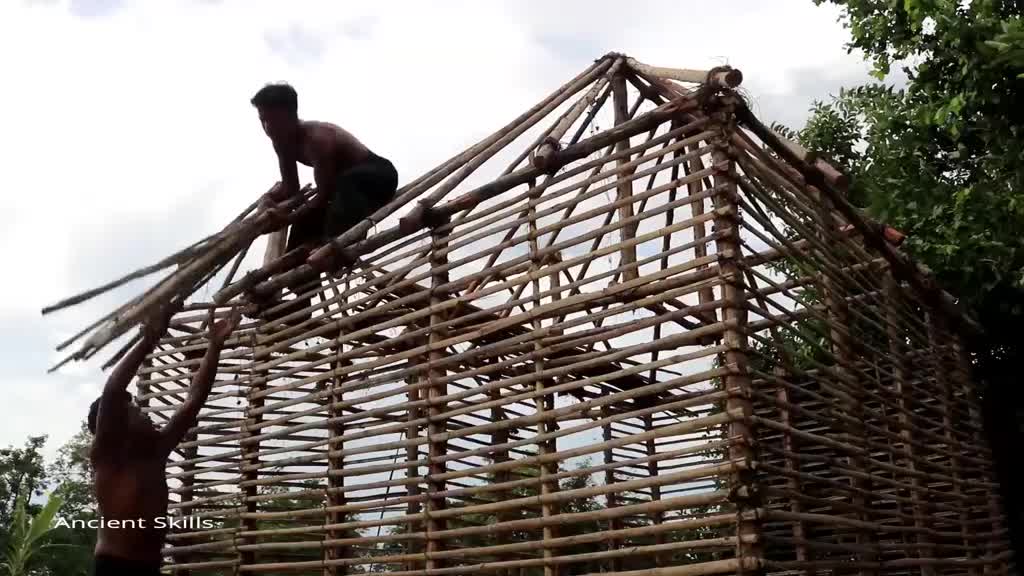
(665, 346)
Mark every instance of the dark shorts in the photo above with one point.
(359, 191)
(104, 565)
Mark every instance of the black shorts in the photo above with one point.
(358, 192)
(104, 565)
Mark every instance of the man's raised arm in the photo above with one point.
(202, 382)
(114, 391)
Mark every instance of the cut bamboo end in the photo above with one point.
(724, 77)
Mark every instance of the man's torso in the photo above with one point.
(133, 493)
(347, 150)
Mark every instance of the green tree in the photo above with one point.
(72, 472)
(22, 472)
(942, 159)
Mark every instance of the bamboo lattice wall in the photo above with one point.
(660, 342)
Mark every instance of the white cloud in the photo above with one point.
(120, 118)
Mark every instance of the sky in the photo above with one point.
(127, 132)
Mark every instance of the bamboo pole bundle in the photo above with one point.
(195, 265)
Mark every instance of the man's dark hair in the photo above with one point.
(277, 96)
(93, 411)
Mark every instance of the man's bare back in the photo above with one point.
(323, 142)
(129, 455)
(134, 493)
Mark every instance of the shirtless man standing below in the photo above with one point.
(129, 455)
(351, 181)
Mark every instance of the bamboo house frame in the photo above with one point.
(633, 332)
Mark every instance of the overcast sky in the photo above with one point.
(126, 133)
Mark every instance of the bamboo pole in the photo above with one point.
(437, 428)
(250, 452)
(742, 484)
(838, 312)
(624, 189)
(896, 346)
(543, 401)
(335, 483)
(722, 77)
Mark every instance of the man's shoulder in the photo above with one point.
(318, 128)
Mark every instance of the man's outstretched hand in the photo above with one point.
(223, 328)
(159, 320)
(277, 216)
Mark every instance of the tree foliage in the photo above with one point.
(24, 476)
(941, 159)
(27, 535)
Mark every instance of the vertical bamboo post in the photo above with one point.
(335, 482)
(743, 488)
(624, 188)
(839, 316)
(556, 283)
(500, 437)
(542, 400)
(962, 375)
(938, 339)
(609, 479)
(188, 479)
(250, 451)
(903, 394)
(412, 455)
(700, 250)
(651, 448)
(187, 482)
(436, 408)
(790, 463)
(792, 466)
